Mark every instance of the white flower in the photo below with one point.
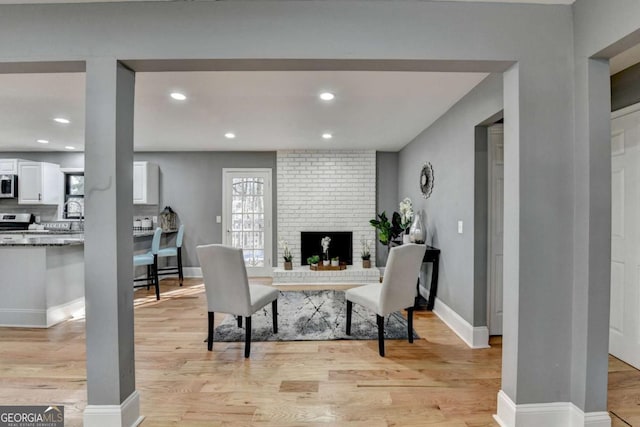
(406, 213)
(325, 243)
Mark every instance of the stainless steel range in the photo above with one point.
(15, 221)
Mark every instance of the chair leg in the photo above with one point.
(180, 275)
(247, 337)
(239, 321)
(349, 308)
(274, 313)
(380, 320)
(410, 324)
(210, 333)
(149, 277)
(156, 276)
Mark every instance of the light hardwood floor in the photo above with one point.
(437, 381)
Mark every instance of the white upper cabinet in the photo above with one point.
(9, 166)
(38, 183)
(146, 183)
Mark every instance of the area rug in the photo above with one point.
(313, 316)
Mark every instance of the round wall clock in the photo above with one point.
(426, 180)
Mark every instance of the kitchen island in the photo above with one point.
(42, 281)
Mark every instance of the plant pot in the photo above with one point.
(366, 263)
(314, 265)
(335, 263)
(325, 262)
(288, 265)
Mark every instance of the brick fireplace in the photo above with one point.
(326, 190)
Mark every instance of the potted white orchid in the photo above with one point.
(406, 217)
(325, 249)
(366, 253)
(286, 254)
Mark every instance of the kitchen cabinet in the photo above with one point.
(146, 183)
(9, 166)
(39, 183)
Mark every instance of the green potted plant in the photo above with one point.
(335, 262)
(387, 231)
(313, 260)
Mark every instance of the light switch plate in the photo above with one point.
(218, 219)
(460, 227)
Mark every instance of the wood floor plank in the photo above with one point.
(437, 381)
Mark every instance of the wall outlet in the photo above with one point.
(460, 227)
(219, 219)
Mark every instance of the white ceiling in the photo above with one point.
(267, 110)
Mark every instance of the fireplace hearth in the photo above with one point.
(341, 245)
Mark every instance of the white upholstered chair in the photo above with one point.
(228, 289)
(397, 291)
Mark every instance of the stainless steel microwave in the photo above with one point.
(8, 186)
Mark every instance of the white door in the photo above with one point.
(495, 234)
(624, 322)
(246, 218)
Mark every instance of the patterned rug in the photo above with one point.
(313, 316)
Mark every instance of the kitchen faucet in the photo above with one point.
(80, 206)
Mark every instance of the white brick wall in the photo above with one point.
(326, 191)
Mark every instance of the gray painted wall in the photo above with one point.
(387, 197)
(449, 144)
(625, 88)
(191, 183)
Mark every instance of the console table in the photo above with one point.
(431, 255)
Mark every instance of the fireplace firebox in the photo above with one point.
(341, 245)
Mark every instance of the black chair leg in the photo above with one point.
(410, 324)
(274, 313)
(247, 337)
(239, 321)
(149, 277)
(349, 309)
(156, 276)
(210, 333)
(180, 275)
(380, 320)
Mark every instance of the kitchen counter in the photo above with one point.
(54, 237)
(40, 240)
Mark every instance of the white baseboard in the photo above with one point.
(192, 271)
(127, 414)
(474, 337)
(554, 414)
(63, 312)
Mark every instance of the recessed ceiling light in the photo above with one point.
(62, 120)
(230, 135)
(327, 96)
(42, 141)
(69, 147)
(178, 96)
(327, 135)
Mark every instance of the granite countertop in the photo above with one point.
(41, 241)
(54, 237)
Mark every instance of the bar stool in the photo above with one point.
(150, 259)
(175, 251)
